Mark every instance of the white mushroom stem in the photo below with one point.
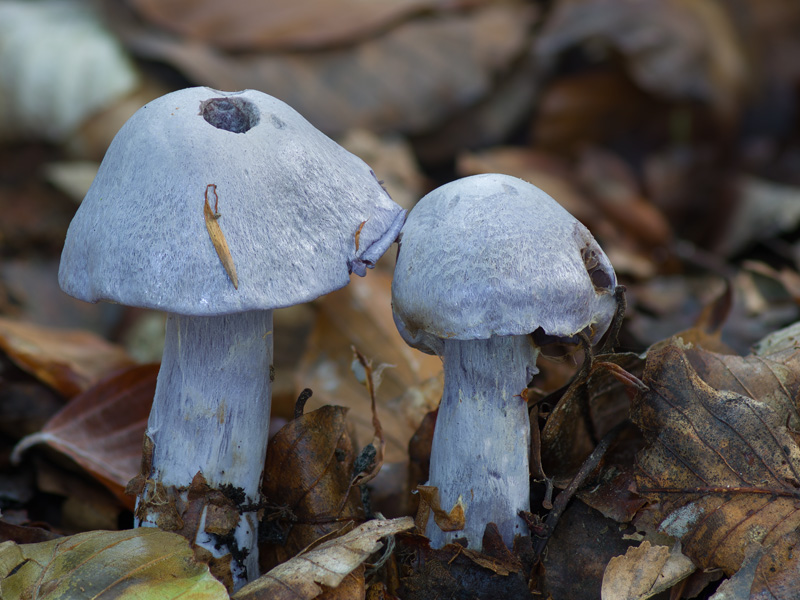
(482, 437)
(210, 415)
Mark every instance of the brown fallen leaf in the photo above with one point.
(685, 49)
(25, 534)
(723, 468)
(419, 456)
(776, 573)
(407, 80)
(763, 210)
(144, 562)
(773, 379)
(595, 106)
(285, 24)
(217, 237)
(706, 330)
(308, 483)
(102, 429)
(26, 403)
(69, 361)
(614, 187)
(326, 564)
(644, 571)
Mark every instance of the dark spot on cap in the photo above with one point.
(276, 122)
(236, 115)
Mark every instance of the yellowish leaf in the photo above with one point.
(138, 563)
(446, 521)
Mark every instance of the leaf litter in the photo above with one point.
(722, 469)
(637, 125)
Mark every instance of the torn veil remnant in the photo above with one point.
(484, 262)
(147, 235)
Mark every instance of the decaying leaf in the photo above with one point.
(308, 482)
(102, 429)
(776, 574)
(722, 467)
(326, 564)
(69, 361)
(217, 237)
(773, 379)
(131, 564)
(644, 571)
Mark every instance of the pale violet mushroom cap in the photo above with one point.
(492, 255)
(298, 212)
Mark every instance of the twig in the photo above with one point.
(560, 504)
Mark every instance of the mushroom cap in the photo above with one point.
(298, 212)
(492, 255)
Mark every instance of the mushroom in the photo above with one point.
(217, 208)
(488, 267)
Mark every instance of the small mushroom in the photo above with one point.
(483, 263)
(217, 208)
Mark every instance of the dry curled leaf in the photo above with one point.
(644, 571)
(723, 468)
(102, 428)
(327, 564)
(69, 361)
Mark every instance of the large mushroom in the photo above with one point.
(217, 208)
(489, 268)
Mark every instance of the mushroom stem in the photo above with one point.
(210, 416)
(482, 437)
